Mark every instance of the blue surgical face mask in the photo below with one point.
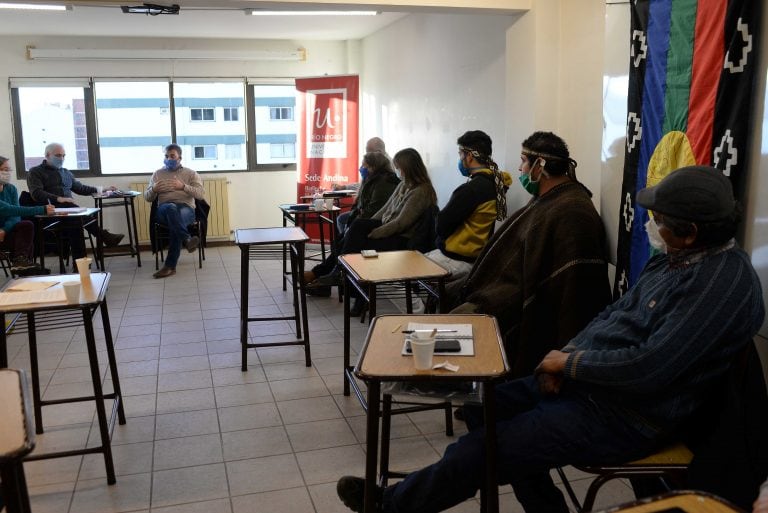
(170, 164)
(56, 162)
(363, 172)
(464, 170)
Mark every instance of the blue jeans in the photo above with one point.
(176, 217)
(535, 433)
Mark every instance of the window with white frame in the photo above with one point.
(207, 152)
(233, 151)
(285, 113)
(201, 114)
(231, 114)
(282, 150)
(52, 113)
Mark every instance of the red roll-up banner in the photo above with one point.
(328, 130)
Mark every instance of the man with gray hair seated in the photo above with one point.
(50, 183)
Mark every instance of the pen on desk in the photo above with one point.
(435, 330)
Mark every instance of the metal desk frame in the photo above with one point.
(293, 241)
(132, 248)
(381, 361)
(56, 219)
(401, 264)
(52, 316)
(299, 218)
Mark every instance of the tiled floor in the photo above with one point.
(201, 435)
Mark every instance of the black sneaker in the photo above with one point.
(318, 291)
(111, 240)
(351, 491)
(192, 243)
(327, 280)
(21, 263)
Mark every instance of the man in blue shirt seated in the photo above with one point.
(625, 384)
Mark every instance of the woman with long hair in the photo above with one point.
(379, 182)
(396, 222)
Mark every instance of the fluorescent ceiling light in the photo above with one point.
(257, 12)
(36, 7)
(90, 54)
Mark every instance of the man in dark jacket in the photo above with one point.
(51, 183)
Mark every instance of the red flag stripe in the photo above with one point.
(708, 56)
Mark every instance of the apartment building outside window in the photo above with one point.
(121, 126)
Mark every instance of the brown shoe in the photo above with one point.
(192, 243)
(164, 272)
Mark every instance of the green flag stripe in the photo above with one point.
(679, 64)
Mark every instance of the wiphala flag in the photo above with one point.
(691, 70)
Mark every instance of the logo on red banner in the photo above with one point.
(327, 123)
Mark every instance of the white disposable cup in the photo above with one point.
(72, 291)
(422, 348)
(319, 204)
(84, 268)
(328, 203)
(99, 190)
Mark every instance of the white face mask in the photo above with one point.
(654, 237)
(5, 176)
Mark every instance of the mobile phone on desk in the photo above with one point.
(442, 345)
(369, 253)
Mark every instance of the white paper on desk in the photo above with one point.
(24, 286)
(462, 332)
(31, 297)
(68, 210)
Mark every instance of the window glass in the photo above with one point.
(233, 151)
(134, 123)
(54, 115)
(202, 115)
(205, 152)
(281, 113)
(231, 114)
(275, 127)
(282, 150)
(202, 127)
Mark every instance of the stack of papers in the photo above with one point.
(28, 292)
(69, 210)
(31, 297)
(24, 286)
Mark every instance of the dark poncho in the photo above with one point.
(543, 274)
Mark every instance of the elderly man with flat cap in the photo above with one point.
(628, 381)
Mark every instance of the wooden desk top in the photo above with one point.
(392, 266)
(381, 357)
(687, 502)
(278, 235)
(91, 293)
